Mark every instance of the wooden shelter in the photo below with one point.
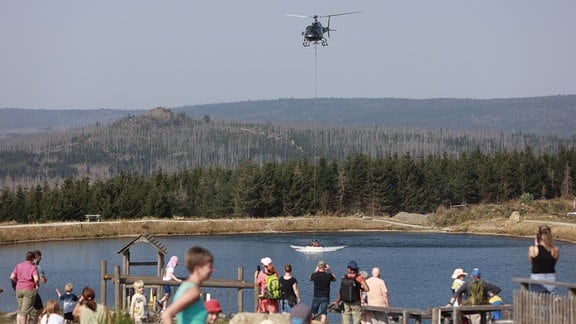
(144, 238)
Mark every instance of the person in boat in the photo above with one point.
(314, 243)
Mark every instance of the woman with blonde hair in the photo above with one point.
(543, 255)
(51, 313)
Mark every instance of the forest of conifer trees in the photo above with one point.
(357, 184)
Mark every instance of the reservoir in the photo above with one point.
(415, 266)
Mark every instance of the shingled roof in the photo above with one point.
(146, 238)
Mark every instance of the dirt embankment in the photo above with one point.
(11, 233)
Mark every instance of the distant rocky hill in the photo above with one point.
(551, 115)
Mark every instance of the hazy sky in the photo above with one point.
(140, 54)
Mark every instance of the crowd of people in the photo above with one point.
(275, 293)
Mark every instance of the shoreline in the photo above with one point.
(24, 233)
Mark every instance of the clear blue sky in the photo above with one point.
(139, 54)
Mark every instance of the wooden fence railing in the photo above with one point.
(528, 307)
(541, 308)
(120, 280)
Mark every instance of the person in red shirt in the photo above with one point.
(266, 305)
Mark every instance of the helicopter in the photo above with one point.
(314, 33)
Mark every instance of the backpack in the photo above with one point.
(273, 289)
(477, 294)
(349, 290)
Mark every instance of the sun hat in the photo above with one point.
(212, 306)
(173, 261)
(266, 261)
(475, 272)
(458, 272)
(353, 265)
(300, 314)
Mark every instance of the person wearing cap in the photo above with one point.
(322, 278)
(213, 308)
(467, 288)
(266, 305)
(459, 277)
(353, 309)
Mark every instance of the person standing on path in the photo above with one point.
(25, 282)
(377, 296)
(351, 288)
(290, 292)
(543, 255)
(138, 304)
(322, 278)
(69, 300)
(266, 303)
(38, 304)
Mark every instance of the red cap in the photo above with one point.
(212, 306)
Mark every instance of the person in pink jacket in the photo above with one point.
(25, 282)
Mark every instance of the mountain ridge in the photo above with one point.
(542, 116)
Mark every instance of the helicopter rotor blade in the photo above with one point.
(340, 14)
(299, 16)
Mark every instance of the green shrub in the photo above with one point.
(526, 198)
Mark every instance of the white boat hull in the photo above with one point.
(316, 249)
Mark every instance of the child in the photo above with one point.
(168, 275)
(51, 313)
(458, 275)
(213, 308)
(68, 302)
(187, 305)
(495, 300)
(138, 304)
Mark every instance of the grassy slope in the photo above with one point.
(480, 219)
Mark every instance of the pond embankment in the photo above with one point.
(563, 229)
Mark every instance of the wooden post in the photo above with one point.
(240, 291)
(405, 317)
(456, 316)
(103, 270)
(117, 289)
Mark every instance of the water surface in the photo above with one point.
(415, 266)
